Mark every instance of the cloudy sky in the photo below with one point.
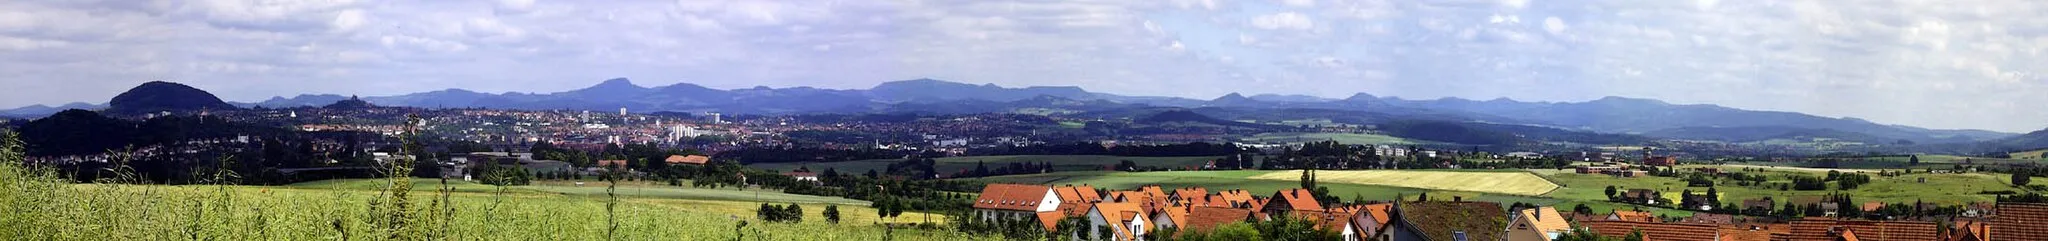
(1940, 64)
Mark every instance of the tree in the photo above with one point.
(793, 213)
(1913, 161)
(2020, 177)
(1582, 235)
(1610, 191)
(832, 214)
(1636, 235)
(1105, 232)
(1582, 209)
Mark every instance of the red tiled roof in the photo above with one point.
(1076, 194)
(1117, 213)
(690, 159)
(1654, 231)
(1298, 199)
(1207, 218)
(1635, 216)
(1735, 233)
(1051, 220)
(1378, 212)
(1970, 230)
(1179, 216)
(1015, 197)
(2020, 221)
(1828, 229)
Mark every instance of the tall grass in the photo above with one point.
(38, 204)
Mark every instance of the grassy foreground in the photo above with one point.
(50, 210)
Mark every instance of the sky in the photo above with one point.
(1937, 64)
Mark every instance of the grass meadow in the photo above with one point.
(954, 164)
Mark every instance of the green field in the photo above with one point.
(955, 164)
(1517, 183)
(1947, 189)
(594, 188)
(1926, 161)
(1346, 138)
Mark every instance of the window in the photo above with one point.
(1459, 236)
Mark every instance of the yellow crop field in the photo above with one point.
(1517, 183)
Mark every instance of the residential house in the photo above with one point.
(619, 164)
(1633, 216)
(1643, 196)
(1660, 161)
(1820, 229)
(1290, 200)
(1654, 230)
(802, 175)
(1204, 218)
(1170, 218)
(1537, 224)
(1446, 221)
(2019, 221)
(1128, 220)
(1370, 220)
(1970, 230)
(1759, 204)
(1709, 218)
(1015, 201)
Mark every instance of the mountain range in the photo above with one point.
(1610, 115)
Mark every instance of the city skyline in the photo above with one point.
(1944, 65)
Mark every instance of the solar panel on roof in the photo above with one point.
(1459, 235)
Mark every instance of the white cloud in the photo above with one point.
(1554, 25)
(1298, 3)
(1806, 57)
(1283, 21)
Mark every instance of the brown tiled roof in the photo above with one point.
(1017, 197)
(1872, 206)
(1438, 220)
(1236, 196)
(2020, 221)
(1654, 230)
(1817, 229)
(1207, 218)
(1332, 221)
(690, 159)
(612, 163)
(1710, 218)
(1179, 216)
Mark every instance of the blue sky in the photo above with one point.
(1939, 64)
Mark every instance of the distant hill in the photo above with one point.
(1631, 115)
(930, 89)
(1190, 117)
(40, 111)
(1611, 115)
(1764, 133)
(165, 96)
(351, 103)
(2030, 141)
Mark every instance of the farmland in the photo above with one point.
(954, 164)
(1947, 189)
(1517, 183)
(343, 210)
(1347, 138)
